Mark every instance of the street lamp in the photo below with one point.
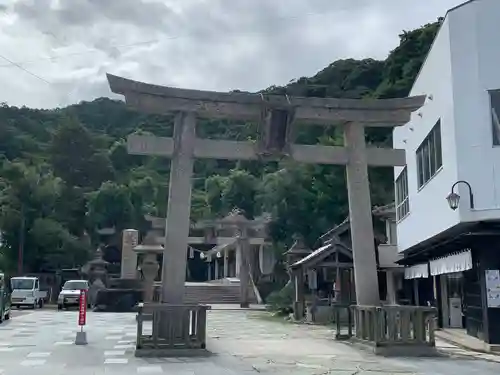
(454, 199)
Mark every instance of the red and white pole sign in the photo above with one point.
(82, 308)
(81, 335)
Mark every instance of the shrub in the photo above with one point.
(281, 301)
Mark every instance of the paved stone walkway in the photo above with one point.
(243, 342)
(284, 348)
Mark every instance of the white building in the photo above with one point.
(455, 137)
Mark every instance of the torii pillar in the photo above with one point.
(276, 115)
(360, 214)
(179, 209)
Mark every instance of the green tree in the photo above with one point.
(71, 209)
(122, 161)
(75, 158)
(237, 190)
(67, 170)
(240, 191)
(53, 247)
(110, 207)
(28, 219)
(121, 206)
(214, 189)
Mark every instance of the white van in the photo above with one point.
(70, 293)
(26, 292)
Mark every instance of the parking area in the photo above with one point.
(242, 342)
(20, 312)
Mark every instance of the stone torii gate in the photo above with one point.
(276, 115)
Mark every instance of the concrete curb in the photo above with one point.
(460, 345)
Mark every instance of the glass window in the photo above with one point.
(402, 200)
(495, 116)
(432, 154)
(437, 146)
(391, 233)
(425, 162)
(75, 285)
(22, 284)
(420, 170)
(429, 155)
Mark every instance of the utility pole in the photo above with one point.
(20, 255)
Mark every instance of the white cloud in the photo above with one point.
(203, 44)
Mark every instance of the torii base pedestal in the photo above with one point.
(177, 330)
(398, 331)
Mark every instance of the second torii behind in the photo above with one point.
(241, 226)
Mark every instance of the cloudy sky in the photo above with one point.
(56, 52)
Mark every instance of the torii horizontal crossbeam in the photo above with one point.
(237, 150)
(248, 106)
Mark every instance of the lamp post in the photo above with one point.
(454, 199)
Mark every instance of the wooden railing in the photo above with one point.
(173, 327)
(395, 325)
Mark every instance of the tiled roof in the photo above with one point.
(324, 251)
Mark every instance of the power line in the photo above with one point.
(93, 50)
(173, 37)
(12, 63)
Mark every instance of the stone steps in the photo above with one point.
(215, 294)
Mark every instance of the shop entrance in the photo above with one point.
(473, 307)
(454, 283)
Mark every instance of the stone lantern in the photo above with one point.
(96, 271)
(149, 265)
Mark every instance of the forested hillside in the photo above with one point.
(66, 172)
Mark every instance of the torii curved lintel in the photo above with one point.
(164, 99)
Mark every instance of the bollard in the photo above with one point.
(81, 336)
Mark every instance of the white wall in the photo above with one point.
(462, 65)
(429, 211)
(476, 56)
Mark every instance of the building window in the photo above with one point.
(382, 285)
(402, 200)
(495, 116)
(392, 231)
(429, 155)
